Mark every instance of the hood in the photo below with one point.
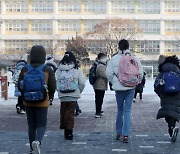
(125, 51)
(20, 65)
(51, 61)
(168, 67)
(66, 67)
(37, 55)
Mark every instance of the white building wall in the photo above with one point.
(62, 36)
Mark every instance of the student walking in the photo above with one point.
(19, 106)
(78, 110)
(101, 83)
(70, 84)
(167, 87)
(51, 63)
(37, 84)
(139, 88)
(124, 86)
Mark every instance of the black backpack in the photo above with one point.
(92, 74)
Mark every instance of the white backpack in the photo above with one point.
(67, 81)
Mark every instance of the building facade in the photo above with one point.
(24, 23)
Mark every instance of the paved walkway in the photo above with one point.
(91, 136)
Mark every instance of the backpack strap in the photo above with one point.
(29, 67)
(127, 53)
(40, 68)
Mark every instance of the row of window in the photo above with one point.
(147, 26)
(139, 46)
(172, 26)
(100, 6)
(23, 45)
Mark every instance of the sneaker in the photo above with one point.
(174, 134)
(36, 147)
(50, 102)
(22, 112)
(102, 113)
(30, 152)
(118, 136)
(18, 110)
(98, 116)
(170, 130)
(126, 140)
(134, 100)
(78, 113)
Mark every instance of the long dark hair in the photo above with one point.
(69, 58)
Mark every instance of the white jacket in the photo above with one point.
(112, 72)
(73, 96)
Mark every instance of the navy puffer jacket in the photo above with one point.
(170, 105)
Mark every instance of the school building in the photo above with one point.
(24, 23)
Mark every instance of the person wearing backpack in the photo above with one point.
(124, 86)
(50, 62)
(139, 88)
(78, 110)
(70, 84)
(101, 83)
(19, 106)
(37, 84)
(167, 87)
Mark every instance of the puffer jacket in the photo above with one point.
(73, 96)
(52, 64)
(170, 105)
(37, 58)
(112, 72)
(15, 77)
(101, 82)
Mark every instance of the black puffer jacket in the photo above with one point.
(170, 105)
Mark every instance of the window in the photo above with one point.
(172, 6)
(16, 45)
(69, 6)
(16, 6)
(69, 25)
(150, 26)
(89, 24)
(172, 46)
(172, 26)
(16, 25)
(95, 6)
(45, 43)
(148, 6)
(148, 47)
(41, 26)
(122, 6)
(61, 45)
(96, 46)
(42, 6)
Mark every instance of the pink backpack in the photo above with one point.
(128, 71)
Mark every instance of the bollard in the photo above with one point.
(4, 87)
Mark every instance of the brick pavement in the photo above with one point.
(91, 136)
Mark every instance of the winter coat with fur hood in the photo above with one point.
(72, 96)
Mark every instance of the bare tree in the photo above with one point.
(14, 55)
(107, 34)
(77, 46)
